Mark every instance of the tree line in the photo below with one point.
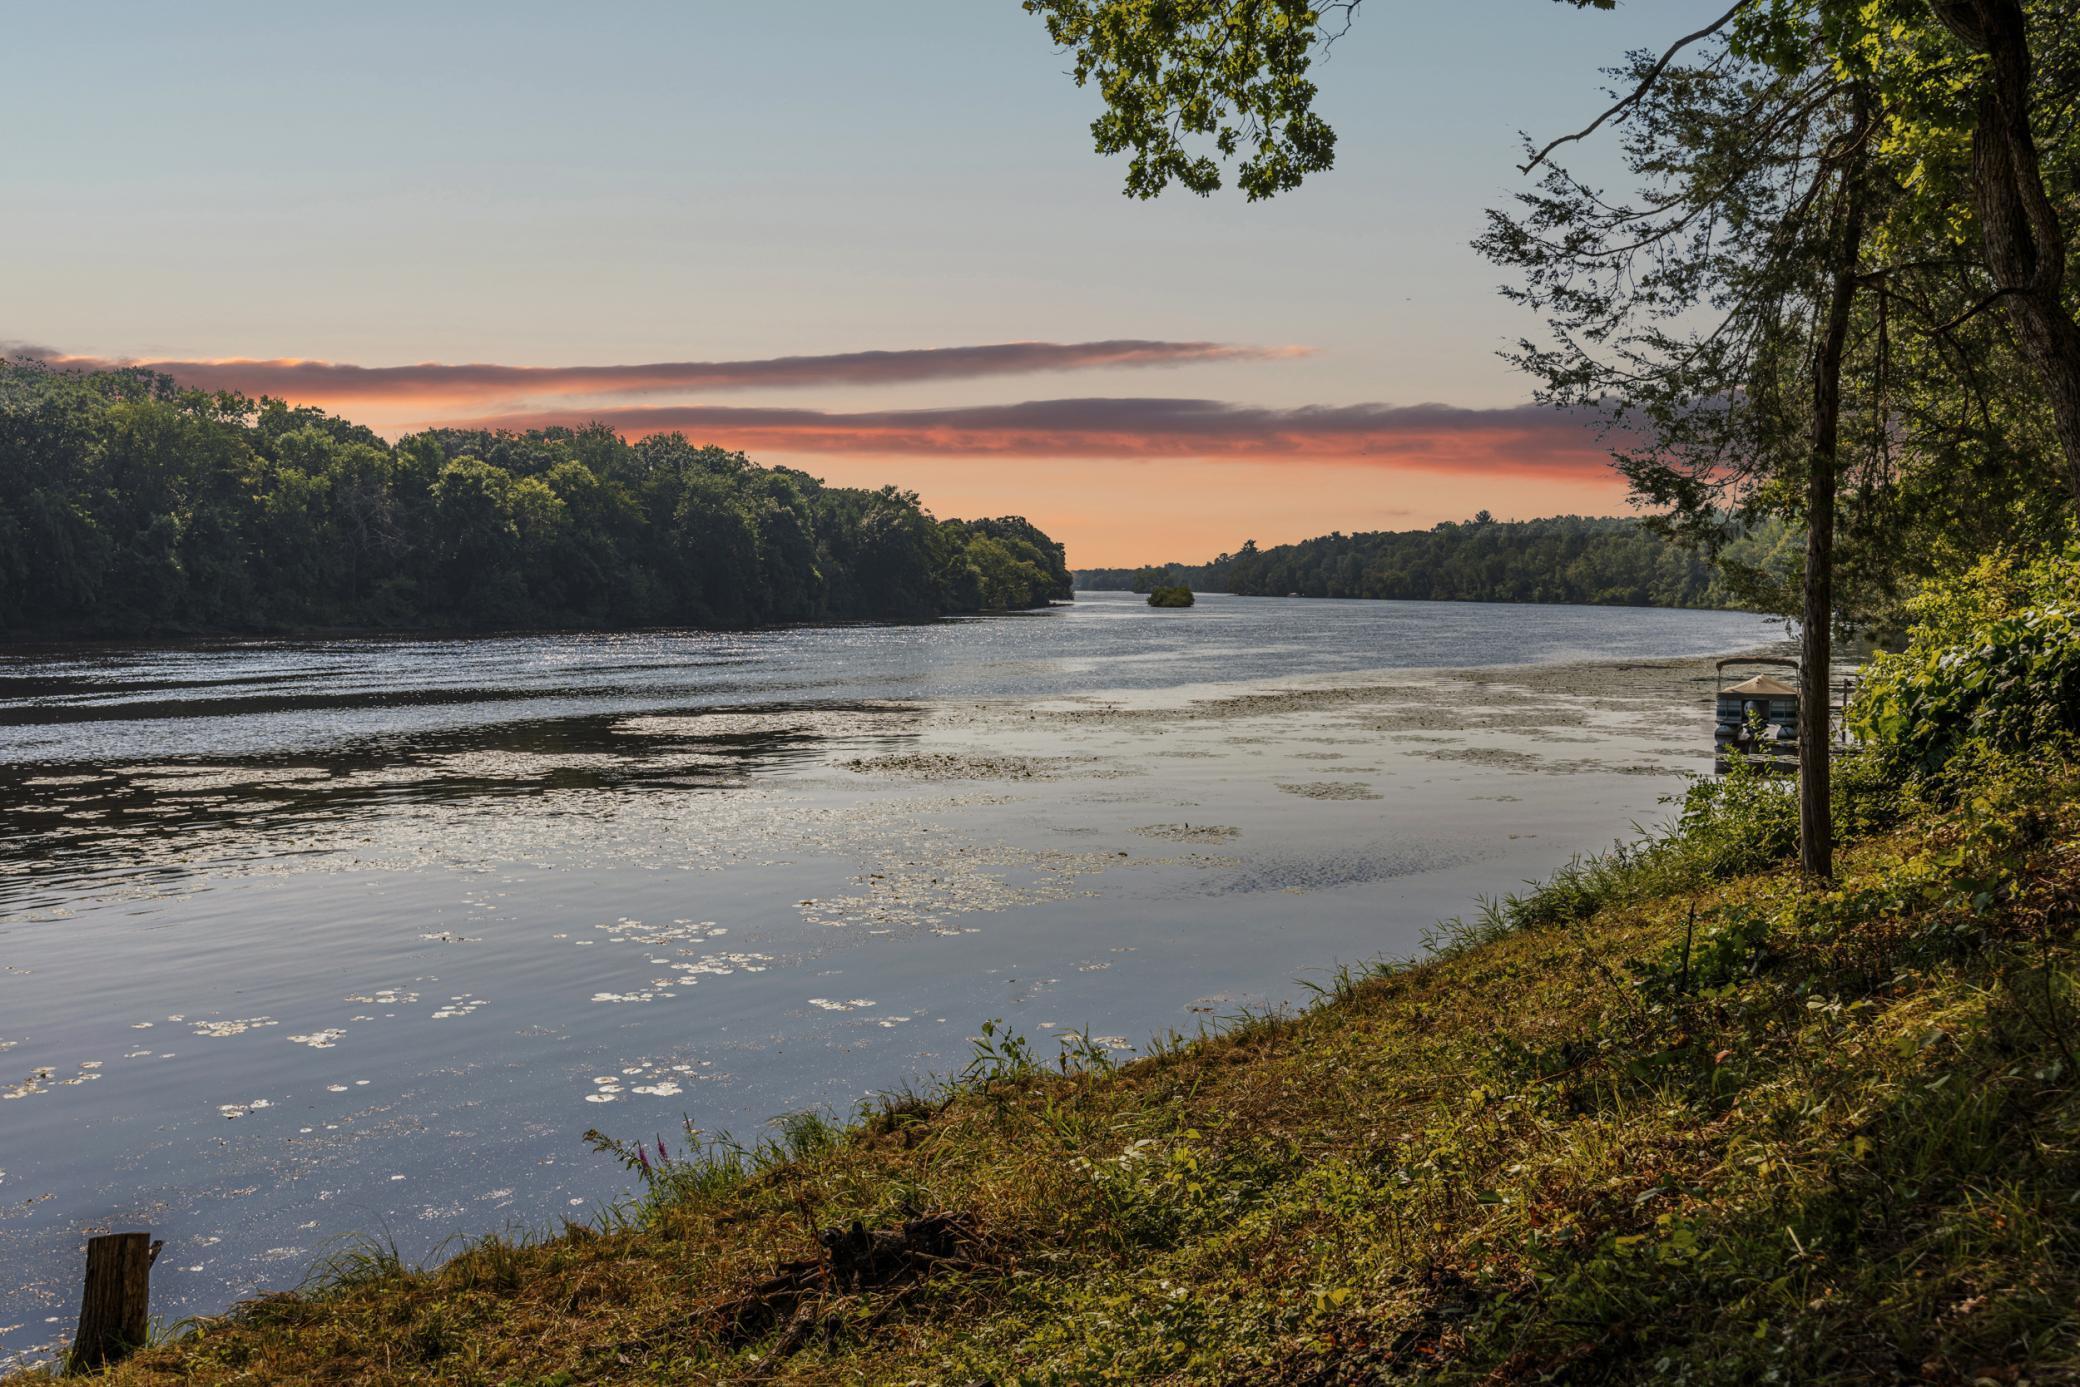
(1569, 558)
(1835, 292)
(129, 506)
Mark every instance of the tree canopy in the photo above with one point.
(129, 506)
(1193, 85)
(1567, 558)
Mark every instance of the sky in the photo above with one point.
(866, 238)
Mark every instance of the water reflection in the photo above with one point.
(62, 816)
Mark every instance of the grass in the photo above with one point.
(1676, 1117)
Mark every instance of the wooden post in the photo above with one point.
(1689, 935)
(114, 1307)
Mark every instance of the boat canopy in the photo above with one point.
(1762, 686)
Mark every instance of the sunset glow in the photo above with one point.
(1276, 474)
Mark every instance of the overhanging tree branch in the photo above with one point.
(1646, 84)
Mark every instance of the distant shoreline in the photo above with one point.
(13, 643)
(1452, 601)
(30, 642)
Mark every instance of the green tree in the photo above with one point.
(128, 505)
(480, 546)
(1192, 85)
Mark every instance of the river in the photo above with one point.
(302, 940)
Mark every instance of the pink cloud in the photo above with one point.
(333, 383)
(1522, 440)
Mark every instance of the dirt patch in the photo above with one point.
(953, 765)
(1525, 698)
(1615, 681)
(1190, 833)
(865, 720)
(1331, 789)
(1509, 759)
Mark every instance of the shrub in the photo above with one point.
(1175, 596)
(1994, 660)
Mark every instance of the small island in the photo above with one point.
(1175, 596)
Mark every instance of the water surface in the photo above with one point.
(300, 939)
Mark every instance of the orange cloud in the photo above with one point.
(336, 383)
(1524, 440)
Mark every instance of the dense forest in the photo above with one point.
(129, 506)
(1565, 559)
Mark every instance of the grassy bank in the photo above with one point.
(1675, 1116)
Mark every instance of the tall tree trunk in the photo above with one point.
(1816, 628)
(2019, 226)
